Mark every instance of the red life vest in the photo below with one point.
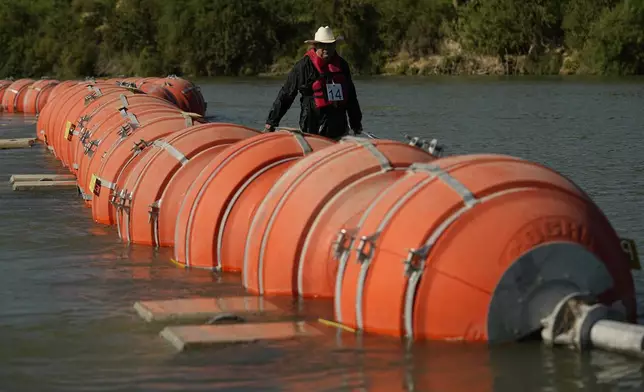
(330, 73)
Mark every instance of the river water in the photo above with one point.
(67, 285)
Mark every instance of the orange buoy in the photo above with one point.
(4, 84)
(476, 248)
(187, 94)
(12, 101)
(114, 130)
(37, 94)
(141, 193)
(63, 86)
(52, 130)
(81, 115)
(91, 126)
(69, 112)
(78, 113)
(175, 192)
(51, 111)
(292, 233)
(124, 154)
(48, 111)
(152, 88)
(239, 177)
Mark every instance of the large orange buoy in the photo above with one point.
(239, 176)
(63, 86)
(57, 97)
(291, 236)
(91, 126)
(120, 159)
(140, 194)
(175, 193)
(48, 111)
(476, 248)
(52, 113)
(111, 132)
(78, 118)
(69, 111)
(78, 113)
(187, 94)
(12, 101)
(151, 87)
(37, 94)
(4, 84)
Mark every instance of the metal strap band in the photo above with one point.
(133, 120)
(415, 276)
(188, 117)
(188, 89)
(445, 177)
(368, 144)
(84, 195)
(124, 101)
(106, 184)
(154, 219)
(306, 147)
(178, 155)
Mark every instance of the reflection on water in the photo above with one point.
(68, 285)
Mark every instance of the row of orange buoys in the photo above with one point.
(29, 96)
(401, 242)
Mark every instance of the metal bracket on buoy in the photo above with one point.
(153, 212)
(83, 121)
(140, 146)
(580, 322)
(84, 134)
(96, 93)
(415, 260)
(88, 147)
(342, 242)
(365, 241)
(430, 146)
(120, 199)
(125, 130)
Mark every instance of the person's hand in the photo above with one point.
(269, 128)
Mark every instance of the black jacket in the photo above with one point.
(329, 121)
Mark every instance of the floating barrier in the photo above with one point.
(210, 231)
(398, 240)
(292, 233)
(112, 124)
(121, 158)
(4, 85)
(495, 232)
(140, 197)
(13, 98)
(78, 99)
(37, 95)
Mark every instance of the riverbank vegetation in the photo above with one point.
(75, 38)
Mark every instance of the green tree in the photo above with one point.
(615, 43)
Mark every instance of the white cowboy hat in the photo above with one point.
(324, 35)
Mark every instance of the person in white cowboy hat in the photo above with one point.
(328, 95)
